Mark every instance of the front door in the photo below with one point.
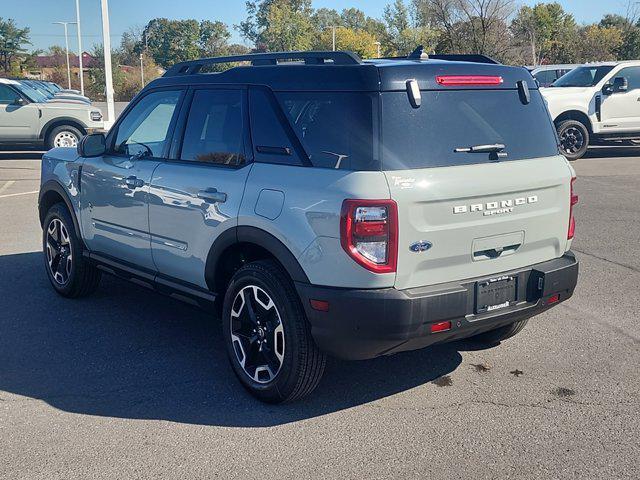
(621, 110)
(197, 197)
(18, 122)
(115, 187)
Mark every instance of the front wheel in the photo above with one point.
(574, 139)
(69, 272)
(63, 136)
(267, 335)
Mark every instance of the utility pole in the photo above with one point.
(66, 44)
(79, 47)
(378, 44)
(108, 76)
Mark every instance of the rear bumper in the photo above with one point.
(363, 324)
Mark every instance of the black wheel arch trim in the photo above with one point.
(256, 236)
(54, 186)
(59, 121)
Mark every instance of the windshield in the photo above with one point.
(30, 92)
(583, 77)
(462, 127)
(39, 88)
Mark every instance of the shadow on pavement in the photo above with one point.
(126, 352)
(612, 152)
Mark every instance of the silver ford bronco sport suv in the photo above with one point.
(327, 205)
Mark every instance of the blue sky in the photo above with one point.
(38, 14)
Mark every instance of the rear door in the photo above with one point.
(464, 214)
(195, 196)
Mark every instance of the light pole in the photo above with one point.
(333, 27)
(378, 44)
(66, 44)
(141, 70)
(108, 78)
(79, 47)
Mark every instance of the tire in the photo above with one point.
(574, 139)
(63, 136)
(68, 271)
(267, 335)
(501, 333)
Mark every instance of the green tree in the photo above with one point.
(403, 33)
(598, 43)
(172, 41)
(12, 42)
(326, 17)
(214, 38)
(630, 30)
(546, 32)
(267, 19)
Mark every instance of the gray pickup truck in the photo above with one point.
(29, 117)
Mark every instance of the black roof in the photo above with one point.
(340, 71)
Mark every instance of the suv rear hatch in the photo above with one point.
(476, 175)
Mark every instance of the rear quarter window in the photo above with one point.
(447, 120)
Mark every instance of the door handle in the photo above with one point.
(212, 195)
(134, 182)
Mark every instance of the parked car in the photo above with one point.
(328, 205)
(596, 103)
(46, 89)
(547, 74)
(27, 116)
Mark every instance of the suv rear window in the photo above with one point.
(447, 120)
(336, 129)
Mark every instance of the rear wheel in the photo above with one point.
(63, 136)
(574, 139)
(267, 335)
(69, 273)
(501, 333)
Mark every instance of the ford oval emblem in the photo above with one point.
(421, 246)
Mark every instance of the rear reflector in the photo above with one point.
(573, 200)
(553, 299)
(440, 327)
(467, 80)
(320, 305)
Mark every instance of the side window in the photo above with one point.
(145, 129)
(632, 74)
(7, 95)
(546, 77)
(336, 128)
(270, 140)
(214, 129)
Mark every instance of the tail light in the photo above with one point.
(369, 233)
(468, 80)
(572, 221)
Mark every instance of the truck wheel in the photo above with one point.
(267, 335)
(69, 273)
(63, 136)
(574, 139)
(501, 333)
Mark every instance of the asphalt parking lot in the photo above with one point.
(129, 384)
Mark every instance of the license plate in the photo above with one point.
(495, 294)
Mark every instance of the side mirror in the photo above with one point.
(620, 84)
(607, 89)
(92, 145)
(19, 101)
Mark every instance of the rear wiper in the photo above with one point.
(493, 148)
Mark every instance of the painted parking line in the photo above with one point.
(6, 185)
(18, 194)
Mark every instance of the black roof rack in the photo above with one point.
(309, 58)
(419, 54)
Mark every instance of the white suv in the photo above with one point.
(597, 102)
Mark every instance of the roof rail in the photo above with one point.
(310, 58)
(418, 54)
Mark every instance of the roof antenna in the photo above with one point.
(418, 54)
